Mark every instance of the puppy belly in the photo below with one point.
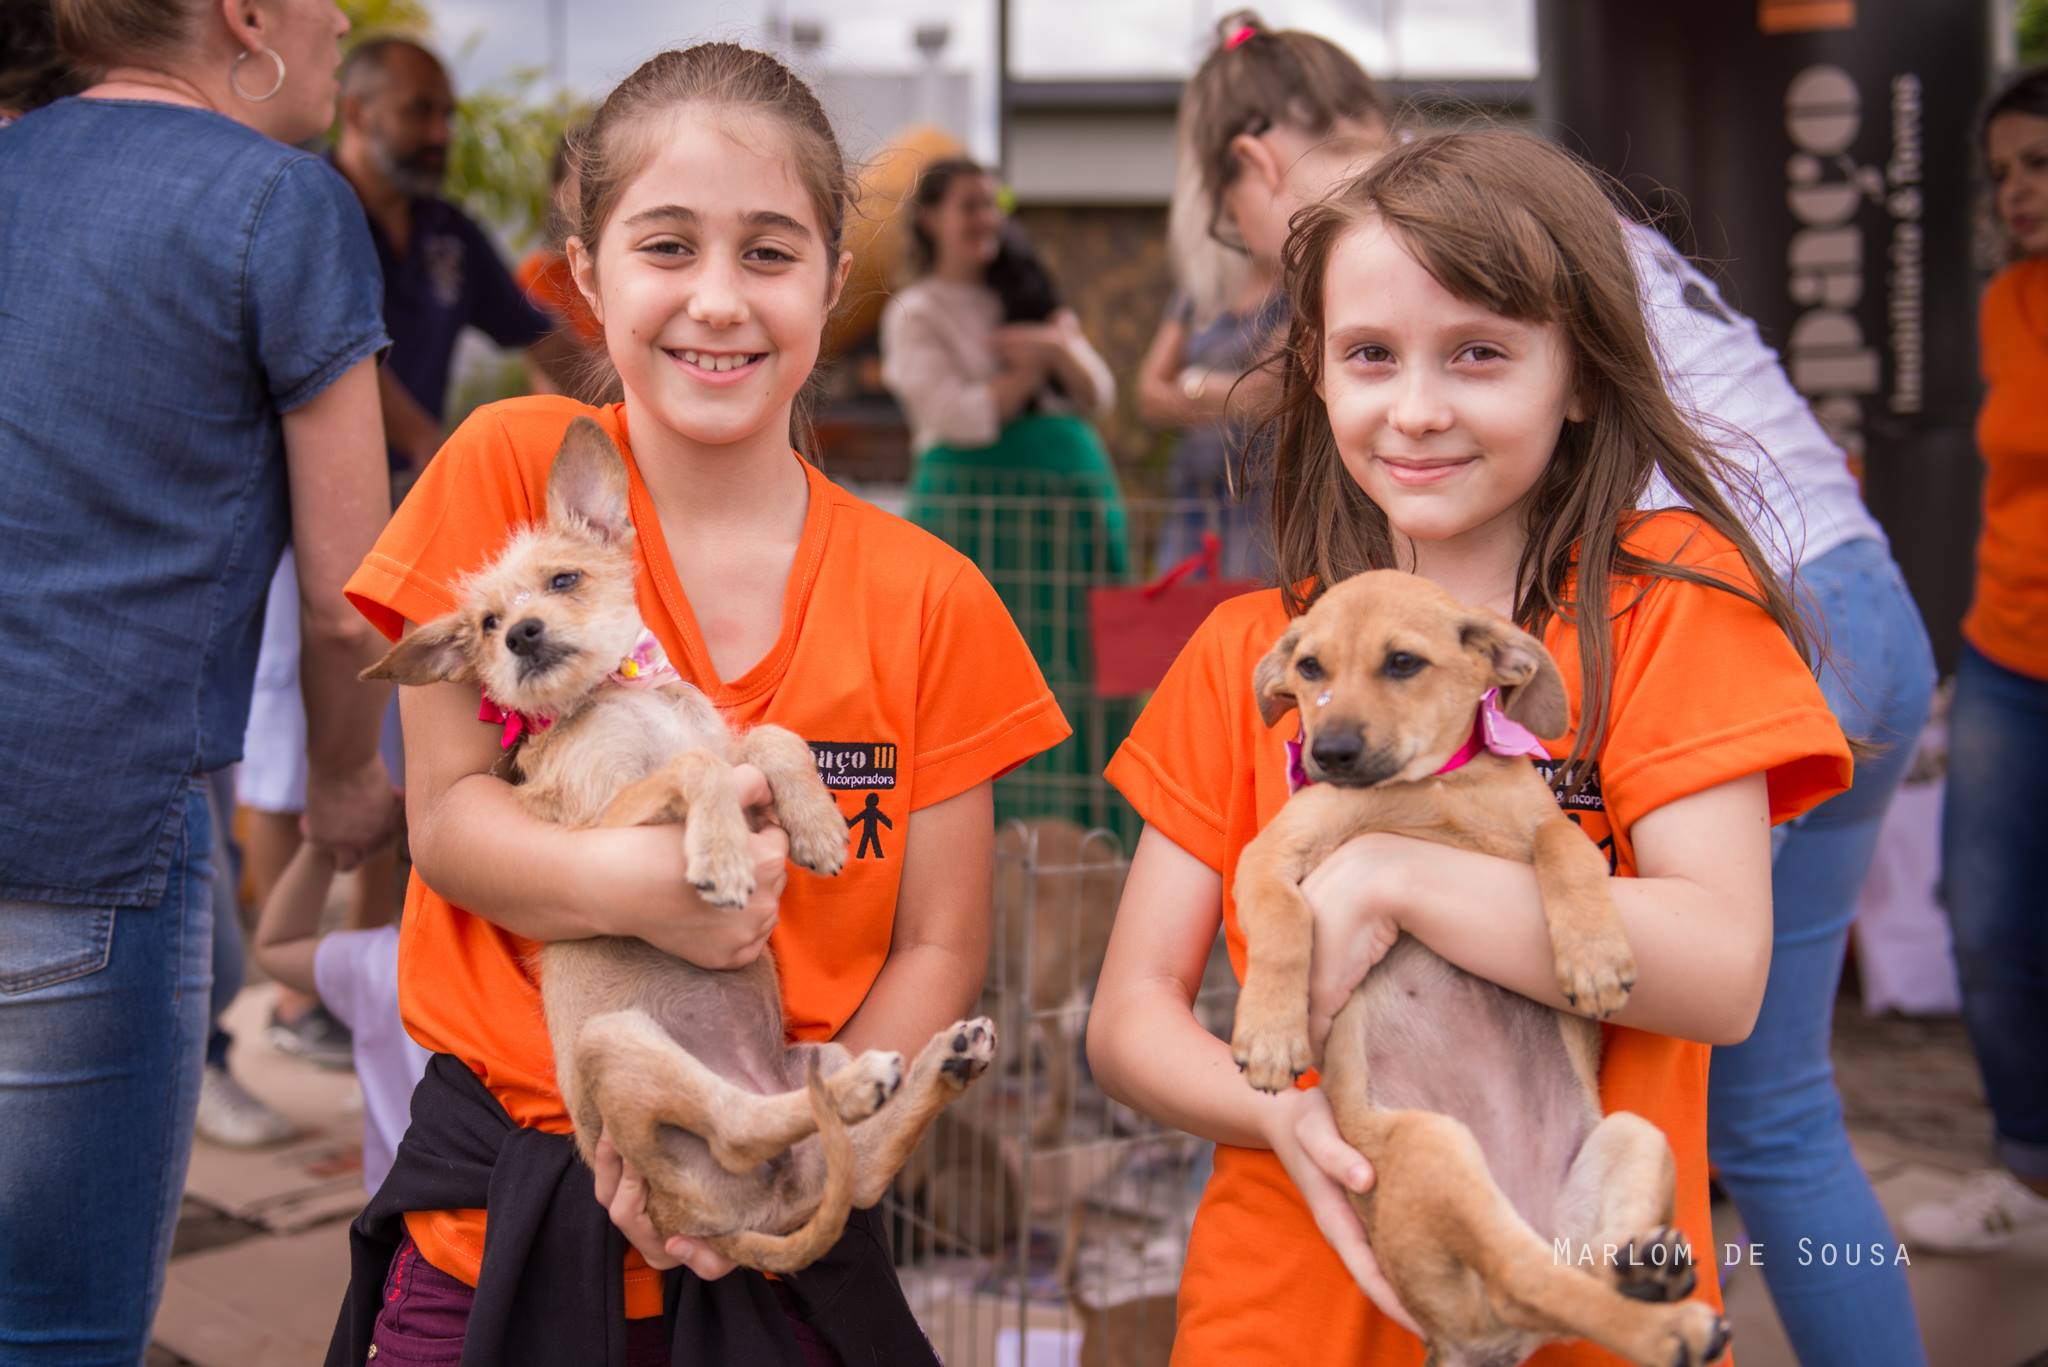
(1439, 1039)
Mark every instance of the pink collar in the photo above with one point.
(1493, 731)
(645, 665)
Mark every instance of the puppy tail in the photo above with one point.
(798, 1249)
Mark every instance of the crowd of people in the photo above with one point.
(1451, 353)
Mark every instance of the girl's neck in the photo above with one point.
(1477, 568)
(751, 486)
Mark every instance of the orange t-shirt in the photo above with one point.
(896, 660)
(2008, 617)
(544, 277)
(1706, 689)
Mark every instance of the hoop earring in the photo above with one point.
(235, 73)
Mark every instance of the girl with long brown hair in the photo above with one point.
(1468, 393)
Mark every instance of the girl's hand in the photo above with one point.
(672, 917)
(1353, 927)
(1303, 1134)
(352, 813)
(623, 1193)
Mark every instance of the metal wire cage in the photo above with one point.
(1041, 1224)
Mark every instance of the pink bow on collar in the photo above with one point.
(516, 724)
(1493, 731)
(1496, 732)
(646, 663)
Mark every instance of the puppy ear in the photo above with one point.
(1531, 689)
(435, 653)
(588, 483)
(1269, 679)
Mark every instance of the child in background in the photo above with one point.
(1468, 393)
(354, 974)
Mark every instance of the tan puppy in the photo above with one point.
(1054, 921)
(1478, 1108)
(743, 1139)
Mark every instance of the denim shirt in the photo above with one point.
(171, 284)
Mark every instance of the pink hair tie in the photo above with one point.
(1240, 38)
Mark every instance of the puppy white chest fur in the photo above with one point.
(575, 768)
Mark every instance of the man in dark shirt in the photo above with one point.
(441, 273)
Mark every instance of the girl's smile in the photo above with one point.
(1417, 472)
(717, 368)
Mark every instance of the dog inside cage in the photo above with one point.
(1041, 1224)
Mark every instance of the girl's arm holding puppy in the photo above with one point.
(1697, 914)
(938, 944)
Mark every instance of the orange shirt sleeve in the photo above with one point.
(469, 498)
(1707, 689)
(983, 707)
(1187, 752)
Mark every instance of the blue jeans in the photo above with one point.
(1774, 1118)
(1994, 862)
(230, 955)
(103, 1019)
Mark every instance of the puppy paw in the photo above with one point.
(716, 863)
(1656, 1267)
(865, 1085)
(1596, 978)
(817, 838)
(968, 1047)
(1269, 1043)
(1695, 1337)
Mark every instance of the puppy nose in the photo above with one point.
(1337, 752)
(522, 636)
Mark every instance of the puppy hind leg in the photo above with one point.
(1617, 1202)
(804, 807)
(942, 1070)
(638, 1078)
(858, 1086)
(792, 1252)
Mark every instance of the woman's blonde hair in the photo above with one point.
(1521, 228)
(96, 34)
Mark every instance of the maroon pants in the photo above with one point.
(426, 1311)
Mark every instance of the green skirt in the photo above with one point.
(1041, 515)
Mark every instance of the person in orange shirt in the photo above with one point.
(708, 246)
(1992, 856)
(543, 277)
(1469, 393)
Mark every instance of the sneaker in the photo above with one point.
(316, 1036)
(230, 1116)
(1984, 1216)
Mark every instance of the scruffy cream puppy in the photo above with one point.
(743, 1139)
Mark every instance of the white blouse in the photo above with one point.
(939, 356)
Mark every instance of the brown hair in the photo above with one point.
(1258, 77)
(104, 33)
(1521, 228)
(933, 184)
(610, 150)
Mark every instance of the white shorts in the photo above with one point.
(272, 774)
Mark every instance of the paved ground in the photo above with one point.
(259, 1287)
